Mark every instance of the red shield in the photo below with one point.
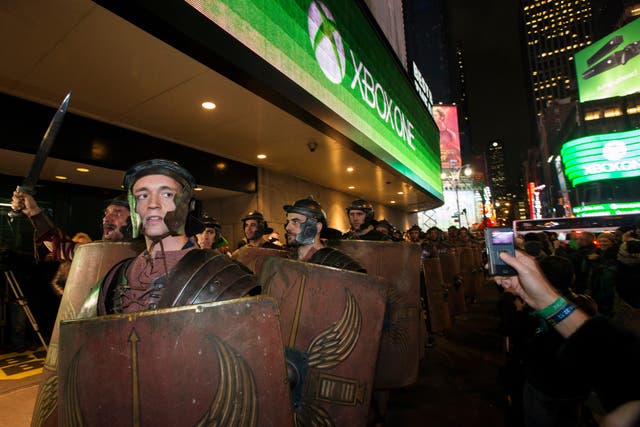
(331, 321)
(91, 262)
(253, 257)
(211, 364)
(399, 263)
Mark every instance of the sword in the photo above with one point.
(29, 184)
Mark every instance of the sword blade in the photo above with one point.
(29, 183)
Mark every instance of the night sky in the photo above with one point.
(496, 78)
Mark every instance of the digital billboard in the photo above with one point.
(611, 66)
(330, 49)
(607, 209)
(602, 157)
(446, 118)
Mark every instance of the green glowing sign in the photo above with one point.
(611, 66)
(602, 157)
(607, 209)
(330, 49)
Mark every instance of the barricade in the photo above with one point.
(437, 306)
(450, 265)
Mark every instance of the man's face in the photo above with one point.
(206, 238)
(251, 229)
(114, 218)
(154, 196)
(293, 227)
(356, 219)
(414, 235)
(433, 235)
(604, 243)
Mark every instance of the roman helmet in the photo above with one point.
(364, 206)
(314, 213)
(263, 227)
(175, 220)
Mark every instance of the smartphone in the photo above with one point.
(499, 240)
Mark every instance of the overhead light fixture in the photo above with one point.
(208, 105)
(197, 189)
(83, 170)
(400, 193)
(351, 187)
(60, 177)
(393, 202)
(262, 156)
(221, 166)
(350, 169)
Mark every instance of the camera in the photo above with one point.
(497, 240)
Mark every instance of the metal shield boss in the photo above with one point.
(331, 321)
(91, 261)
(219, 363)
(253, 257)
(399, 263)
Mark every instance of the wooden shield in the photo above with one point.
(399, 263)
(218, 363)
(450, 265)
(437, 306)
(331, 321)
(467, 270)
(91, 261)
(252, 257)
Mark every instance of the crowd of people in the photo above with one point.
(566, 293)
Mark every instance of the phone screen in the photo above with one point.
(499, 240)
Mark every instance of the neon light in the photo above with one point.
(602, 157)
(607, 209)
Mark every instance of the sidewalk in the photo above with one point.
(458, 378)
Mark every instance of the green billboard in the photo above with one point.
(331, 50)
(607, 209)
(602, 157)
(611, 66)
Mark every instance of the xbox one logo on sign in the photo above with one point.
(614, 150)
(326, 41)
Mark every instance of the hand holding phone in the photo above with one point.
(499, 239)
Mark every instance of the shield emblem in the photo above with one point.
(91, 261)
(398, 263)
(218, 363)
(436, 301)
(253, 257)
(331, 321)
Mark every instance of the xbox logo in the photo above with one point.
(614, 150)
(326, 41)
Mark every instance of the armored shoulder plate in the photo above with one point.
(206, 275)
(334, 258)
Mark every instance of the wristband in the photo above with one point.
(550, 310)
(561, 315)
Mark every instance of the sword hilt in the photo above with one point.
(20, 189)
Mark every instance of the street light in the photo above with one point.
(454, 177)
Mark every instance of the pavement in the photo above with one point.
(457, 384)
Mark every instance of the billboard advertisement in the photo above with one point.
(446, 117)
(611, 66)
(330, 49)
(602, 157)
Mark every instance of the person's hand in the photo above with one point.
(24, 203)
(530, 283)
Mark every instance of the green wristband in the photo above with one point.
(552, 309)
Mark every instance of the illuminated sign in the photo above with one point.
(446, 118)
(602, 157)
(422, 88)
(611, 66)
(330, 49)
(607, 209)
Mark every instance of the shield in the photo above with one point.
(437, 305)
(218, 363)
(450, 266)
(467, 271)
(399, 263)
(331, 321)
(479, 268)
(91, 261)
(253, 257)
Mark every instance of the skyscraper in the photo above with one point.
(555, 30)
